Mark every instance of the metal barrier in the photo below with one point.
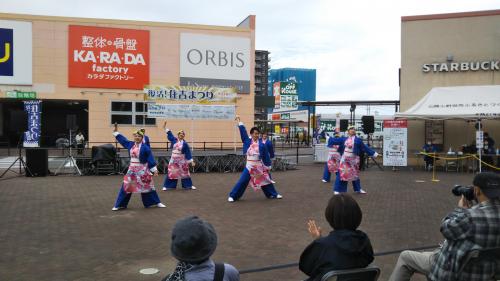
(295, 264)
(210, 159)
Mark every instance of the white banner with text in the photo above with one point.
(192, 111)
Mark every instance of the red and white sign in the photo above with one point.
(103, 57)
(395, 143)
(395, 123)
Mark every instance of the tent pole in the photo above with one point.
(480, 147)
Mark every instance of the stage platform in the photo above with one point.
(218, 161)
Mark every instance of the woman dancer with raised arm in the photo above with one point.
(138, 178)
(349, 163)
(178, 166)
(256, 172)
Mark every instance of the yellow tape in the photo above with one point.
(459, 158)
(447, 158)
(486, 164)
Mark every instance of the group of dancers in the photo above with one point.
(139, 177)
(343, 161)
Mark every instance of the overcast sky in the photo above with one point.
(353, 45)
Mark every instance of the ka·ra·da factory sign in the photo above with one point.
(103, 57)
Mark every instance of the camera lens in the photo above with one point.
(466, 191)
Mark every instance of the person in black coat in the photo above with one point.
(344, 248)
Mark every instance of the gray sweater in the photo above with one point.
(205, 272)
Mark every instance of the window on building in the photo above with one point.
(121, 106)
(130, 113)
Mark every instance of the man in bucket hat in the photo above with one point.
(465, 228)
(193, 243)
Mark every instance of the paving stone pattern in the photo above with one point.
(62, 227)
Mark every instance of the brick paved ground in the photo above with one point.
(62, 228)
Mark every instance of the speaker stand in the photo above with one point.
(22, 163)
(69, 159)
(72, 162)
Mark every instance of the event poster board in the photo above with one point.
(395, 143)
(188, 102)
(190, 94)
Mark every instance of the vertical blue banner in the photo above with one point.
(34, 110)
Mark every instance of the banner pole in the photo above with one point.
(234, 131)
(434, 169)
(192, 133)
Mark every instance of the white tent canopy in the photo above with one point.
(464, 102)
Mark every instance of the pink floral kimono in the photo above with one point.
(259, 174)
(138, 178)
(178, 166)
(349, 163)
(333, 159)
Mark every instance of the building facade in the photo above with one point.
(288, 86)
(305, 79)
(90, 73)
(261, 84)
(446, 50)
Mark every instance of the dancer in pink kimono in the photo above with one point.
(334, 155)
(138, 178)
(349, 163)
(178, 167)
(256, 173)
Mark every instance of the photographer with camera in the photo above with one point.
(465, 228)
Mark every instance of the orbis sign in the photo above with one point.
(215, 61)
(489, 65)
(108, 57)
(215, 58)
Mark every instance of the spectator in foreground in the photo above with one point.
(344, 248)
(465, 228)
(193, 243)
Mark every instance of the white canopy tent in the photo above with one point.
(463, 102)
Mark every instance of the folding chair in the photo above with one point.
(369, 273)
(279, 164)
(451, 165)
(481, 256)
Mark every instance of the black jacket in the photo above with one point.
(341, 249)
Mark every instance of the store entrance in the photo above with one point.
(58, 117)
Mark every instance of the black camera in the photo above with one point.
(466, 191)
